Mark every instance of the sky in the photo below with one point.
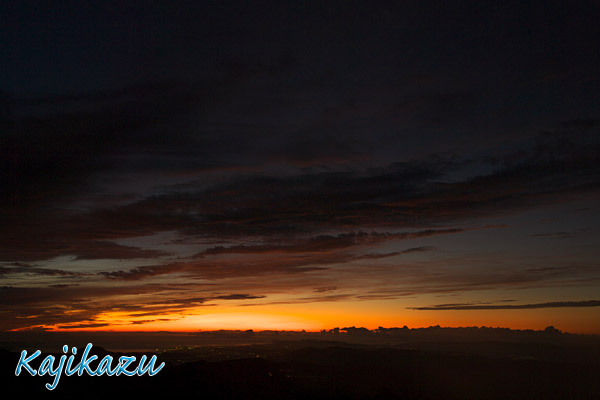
(299, 165)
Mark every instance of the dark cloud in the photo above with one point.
(554, 304)
(403, 194)
(374, 256)
(146, 321)
(400, 195)
(304, 300)
(63, 285)
(39, 247)
(237, 297)
(15, 296)
(329, 243)
(145, 271)
(556, 235)
(20, 268)
(561, 235)
(85, 325)
(325, 289)
(227, 268)
(301, 256)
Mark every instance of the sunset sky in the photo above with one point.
(220, 165)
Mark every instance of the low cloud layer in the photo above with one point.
(553, 304)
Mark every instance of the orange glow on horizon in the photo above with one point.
(318, 316)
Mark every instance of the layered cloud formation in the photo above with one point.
(396, 162)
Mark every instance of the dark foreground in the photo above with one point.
(330, 370)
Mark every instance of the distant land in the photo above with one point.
(341, 363)
(395, 336)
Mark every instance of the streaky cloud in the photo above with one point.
(553, 304)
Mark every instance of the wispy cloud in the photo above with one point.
(552, 304)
